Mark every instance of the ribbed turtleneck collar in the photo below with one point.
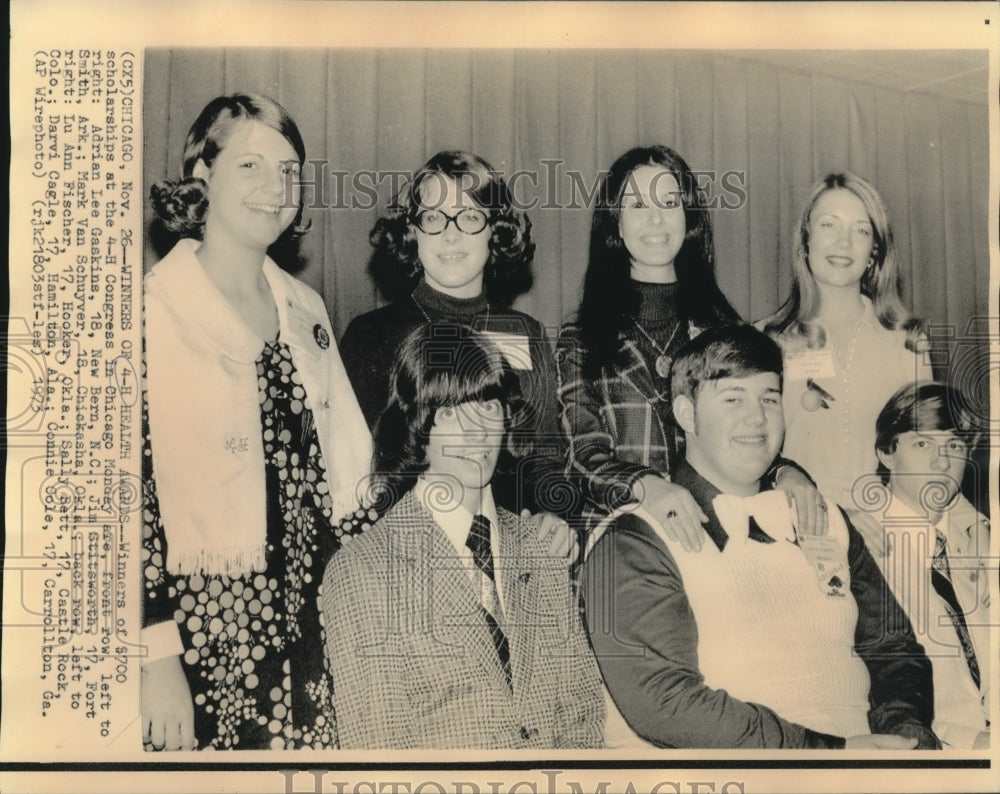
(657, 302)
(441, 307)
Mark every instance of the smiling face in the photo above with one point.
(464, 446)
(926, 469)
(453, 260)
(840, 239)
(733, 430)
(652, 223)
(248, 200)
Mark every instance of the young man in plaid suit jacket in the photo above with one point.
(448, 624)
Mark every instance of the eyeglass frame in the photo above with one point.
(450, 219)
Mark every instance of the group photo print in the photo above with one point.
(565, 399)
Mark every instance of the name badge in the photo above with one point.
(829, 559)
(811, 364)
(515, 348)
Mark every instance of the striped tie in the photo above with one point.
(479, 544)
(941, 581)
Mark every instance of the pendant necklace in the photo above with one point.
(663, 361)
(427, 317)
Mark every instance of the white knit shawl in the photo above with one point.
(204, 413)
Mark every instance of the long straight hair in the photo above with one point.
(882, 281)
(610, 297)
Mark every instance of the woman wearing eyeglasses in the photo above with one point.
(451, 249)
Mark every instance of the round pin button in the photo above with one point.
(321, 336)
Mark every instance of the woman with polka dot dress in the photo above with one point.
(245, 476)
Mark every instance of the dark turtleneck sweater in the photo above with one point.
(369, 346)
(441, 307)
(657, 304)
(658, 317)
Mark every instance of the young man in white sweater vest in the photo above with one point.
(765, 637)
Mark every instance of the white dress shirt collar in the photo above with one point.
(453, 518)
(456, 521)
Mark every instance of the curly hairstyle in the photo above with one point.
(438, 365)
(395, 265)
(181, 205)
(882, 281)
(610, 298)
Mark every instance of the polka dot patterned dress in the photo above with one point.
(254, 645)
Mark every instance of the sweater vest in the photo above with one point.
(768, 632)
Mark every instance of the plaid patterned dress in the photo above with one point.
(618, 427)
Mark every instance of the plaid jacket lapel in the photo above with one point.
(452, 603)
(520, 587)
(635, 372)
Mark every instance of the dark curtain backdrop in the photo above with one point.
(775, 131)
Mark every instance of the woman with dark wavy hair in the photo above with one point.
(452, 248)
(254, 447)
(849, 341)
(649, 287)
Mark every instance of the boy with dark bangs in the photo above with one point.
(448, 624)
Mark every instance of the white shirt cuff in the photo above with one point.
(162, 640)
(958, 737)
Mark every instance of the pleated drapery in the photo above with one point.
(553, 119)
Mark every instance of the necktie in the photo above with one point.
(941, 581)
(479, 544)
